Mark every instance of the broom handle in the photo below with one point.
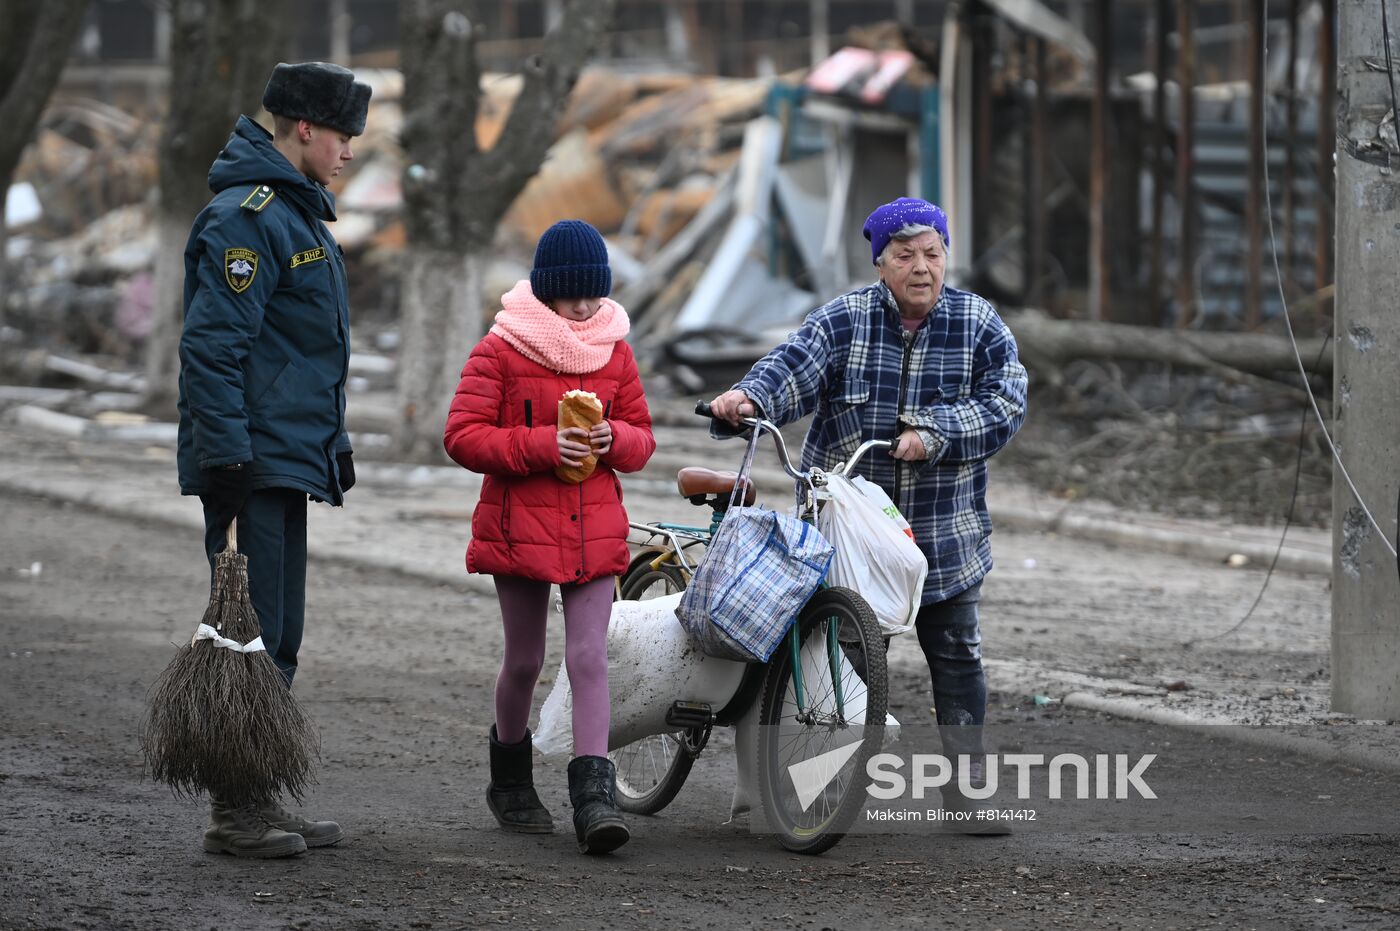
(232, 536)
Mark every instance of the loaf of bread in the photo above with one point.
(579, 409)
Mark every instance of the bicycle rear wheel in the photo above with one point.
(809, 797)
(652, 770)
(643, 582)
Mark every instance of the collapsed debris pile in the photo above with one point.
(680, 172)
(731, 207)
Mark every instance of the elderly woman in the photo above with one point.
(934, 370)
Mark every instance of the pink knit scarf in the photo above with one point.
(570, 347)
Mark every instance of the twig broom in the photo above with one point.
(221, 718)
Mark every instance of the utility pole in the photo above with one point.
(1254, 202)
(1366, 405)
(1326, 147)
(1159, 148)
(1185, 156)
(1101, 131)
(819, 12)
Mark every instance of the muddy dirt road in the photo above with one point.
(398, 674)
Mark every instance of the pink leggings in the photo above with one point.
(524, 614)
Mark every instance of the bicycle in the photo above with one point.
(832, 660)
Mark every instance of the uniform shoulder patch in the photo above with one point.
(258, 198)
(240, 268)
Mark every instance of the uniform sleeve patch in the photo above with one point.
(310, 255)
(240, 267)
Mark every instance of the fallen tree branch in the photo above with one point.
(1051, 343)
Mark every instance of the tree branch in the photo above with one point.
(23, 100)
(1047, 345)
(442, 84)
(549, 77)
(214, 76)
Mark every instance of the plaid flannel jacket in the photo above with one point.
(956, 379)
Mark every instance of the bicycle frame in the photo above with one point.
(834, 620)
(673, 534)
(807, 483)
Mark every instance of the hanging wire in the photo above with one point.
(1298, 467)
(1287, 520)
(1288, 323)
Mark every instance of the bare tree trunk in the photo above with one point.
(162, 357)
(455, 194)
(215, 74)
(34, 43)
(4, 268)
(441, 287)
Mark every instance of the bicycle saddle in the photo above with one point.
(693, 482)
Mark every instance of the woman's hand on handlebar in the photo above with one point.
(909, 447)
(733, 406)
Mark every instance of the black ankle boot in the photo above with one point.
(511, 795)
(597, 822)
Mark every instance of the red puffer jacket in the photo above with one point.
(503, 424)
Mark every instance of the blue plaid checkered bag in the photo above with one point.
(758, 572)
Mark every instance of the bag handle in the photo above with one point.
(736, 493)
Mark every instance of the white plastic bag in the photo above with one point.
(875, 553)
(652, 662)
(877, 494)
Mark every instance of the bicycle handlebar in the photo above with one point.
(723, 426)
(761, 425)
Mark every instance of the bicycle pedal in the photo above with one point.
(684, 714)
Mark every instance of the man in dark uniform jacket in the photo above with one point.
(264, 357)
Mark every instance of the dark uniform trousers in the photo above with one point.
(272, 534)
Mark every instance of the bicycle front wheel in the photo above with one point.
(811, 758)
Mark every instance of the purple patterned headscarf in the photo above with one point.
(890, 218)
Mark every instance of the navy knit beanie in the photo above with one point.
(571, 260)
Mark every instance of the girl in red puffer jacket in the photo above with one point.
(556, 332)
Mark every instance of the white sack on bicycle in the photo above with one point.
(652, 662)
(874, 554)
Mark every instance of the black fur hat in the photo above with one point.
(319, 92)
